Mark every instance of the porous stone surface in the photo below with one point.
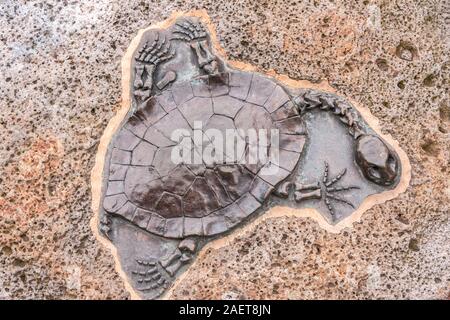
(60, 85)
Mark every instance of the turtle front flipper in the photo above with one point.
(150, 55)
(194, 33)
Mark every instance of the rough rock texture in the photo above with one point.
(60, 85)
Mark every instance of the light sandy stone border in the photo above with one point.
(114, 123)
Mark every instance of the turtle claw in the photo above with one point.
(150, 277)
(148, 58)
(189, 31)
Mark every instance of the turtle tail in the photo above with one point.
(315, 100)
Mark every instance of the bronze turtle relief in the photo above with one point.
(163, 199)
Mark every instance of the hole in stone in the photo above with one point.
(413, 245)
(429, 81)
(444, 112)
(401, 84)
(431, 148)
(19, 263)
(382, 64)
(406, 51)
(7, 251)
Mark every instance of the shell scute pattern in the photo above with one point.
(176, 201)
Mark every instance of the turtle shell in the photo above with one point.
(177, 200)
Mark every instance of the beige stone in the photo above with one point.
(60, 84)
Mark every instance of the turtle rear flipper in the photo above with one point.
(153, 276)
(150, 278)
(183, 254)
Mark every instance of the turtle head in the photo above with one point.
(377, 161)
